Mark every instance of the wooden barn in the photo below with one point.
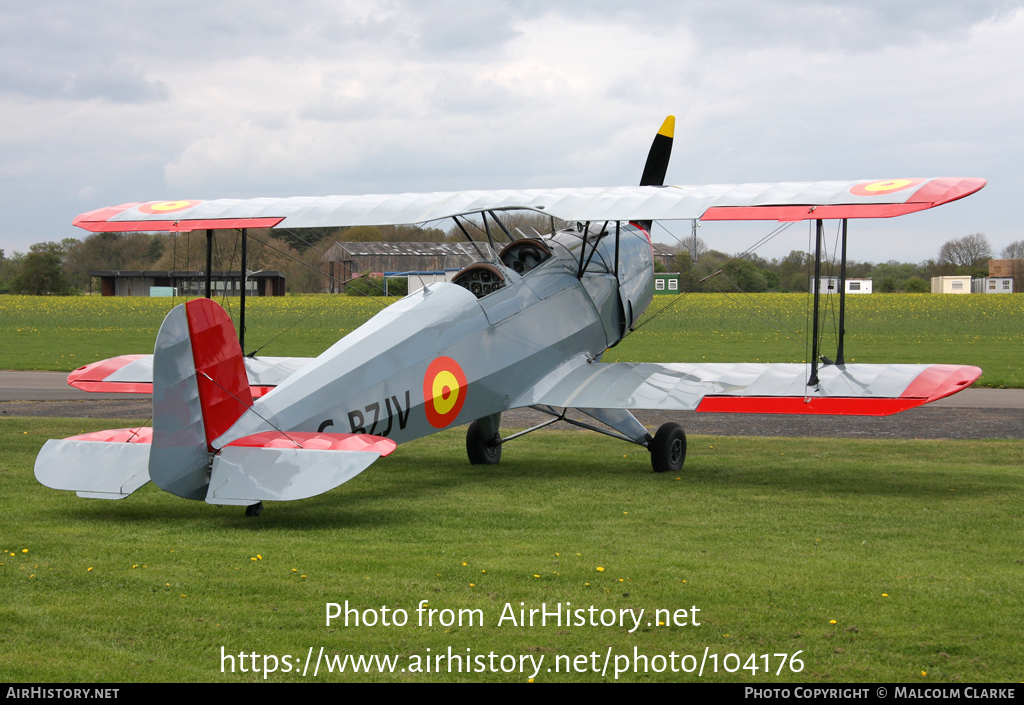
(348, 259)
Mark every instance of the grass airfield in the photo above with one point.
(913, 548)
(875, 560)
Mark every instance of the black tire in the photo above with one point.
(254, 510)
(480, 449)
(668, 449)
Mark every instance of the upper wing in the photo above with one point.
(856, 390)
(784, 201)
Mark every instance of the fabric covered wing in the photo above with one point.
(784, 201)
(860, 390)
(134, 374)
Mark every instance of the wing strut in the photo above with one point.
(510, 236)
(617, 230)
(840, 352)
(583, 249)
(487, 229)
(209, 261)
(241, 299)
(813, 381)
(840, 359)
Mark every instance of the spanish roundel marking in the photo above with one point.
(879, 188)
(444, 391)
(161, 207)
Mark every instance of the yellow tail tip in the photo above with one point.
(668, 127)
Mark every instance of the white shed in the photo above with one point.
(858, 286)
(951, 285)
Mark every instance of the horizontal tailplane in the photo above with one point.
(102, 465)
(282, 467)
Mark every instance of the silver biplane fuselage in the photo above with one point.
(503, 324)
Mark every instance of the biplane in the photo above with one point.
(524, 323)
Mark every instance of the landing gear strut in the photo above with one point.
(668, 448)
(254, 510)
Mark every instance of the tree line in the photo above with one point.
(713, 271)
(63, 267)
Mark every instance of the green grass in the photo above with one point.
(62, 333)
(771, 539)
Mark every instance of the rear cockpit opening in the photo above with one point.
(524, 255)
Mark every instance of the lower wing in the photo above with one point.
(854, 390)
(133, 374)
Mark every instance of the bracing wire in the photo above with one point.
(754, 304)
(304, 264)
(764, 240)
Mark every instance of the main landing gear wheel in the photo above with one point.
(668, 449)
(481, 449)
(254, 510)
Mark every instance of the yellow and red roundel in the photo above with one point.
(161, 207)
(880, 188)
(444, 391)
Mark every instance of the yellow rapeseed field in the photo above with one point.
(62, 333)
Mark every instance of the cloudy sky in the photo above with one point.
(104, 103)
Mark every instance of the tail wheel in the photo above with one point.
(481, 449)
(254, 510)
(668, 449)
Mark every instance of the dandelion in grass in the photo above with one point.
(600, 569)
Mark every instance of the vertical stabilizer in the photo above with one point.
(200, 388)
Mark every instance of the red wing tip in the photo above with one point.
(939, 381)
(99, 371)
(101, 214)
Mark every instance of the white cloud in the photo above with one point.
(105, 104)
